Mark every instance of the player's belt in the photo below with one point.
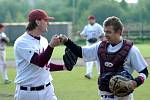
(2, 49)
(107, 96)
(38, 88)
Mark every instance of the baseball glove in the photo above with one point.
(5, 40)
(92, 40)
(69, 59)
(120, 85)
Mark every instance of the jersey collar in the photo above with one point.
(38, 38)
(34, 37)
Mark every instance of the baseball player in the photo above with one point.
(32, 54)
(114, 55)
(93, 32)
(3, 41)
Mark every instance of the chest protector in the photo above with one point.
(111, 63)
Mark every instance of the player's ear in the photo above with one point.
(37, 22)
(119, 32)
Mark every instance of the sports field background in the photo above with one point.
(72, 85)
(59, 51)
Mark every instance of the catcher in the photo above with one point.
(118, 58)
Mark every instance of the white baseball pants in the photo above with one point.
(129, 97)
(46, 94)
(89, 65)
(3, 68)
(106, 96)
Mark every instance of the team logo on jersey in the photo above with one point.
(108, 64)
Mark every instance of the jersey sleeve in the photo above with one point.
(83, 33)
(24, 50)
(137, 60)
(100, 30)
(3, 35)
(89, 53)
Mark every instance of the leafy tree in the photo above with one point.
(20, 17)
(8, 18)
(64, 10)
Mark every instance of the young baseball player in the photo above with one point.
(114, 55)
(32, 55)
(3, 41)
(93, 32)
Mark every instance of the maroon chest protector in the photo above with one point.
(111, 63)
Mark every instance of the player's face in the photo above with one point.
(111, 36)
(2, 29)
(91, 21)
(43, 25)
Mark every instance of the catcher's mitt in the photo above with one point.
(69, 59)
(92, 40)
(5, 40)
(120, 85)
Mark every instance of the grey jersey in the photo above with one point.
(2, 44)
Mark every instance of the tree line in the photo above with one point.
(77, 11)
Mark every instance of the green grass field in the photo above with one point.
(59, 51)
(73, 86)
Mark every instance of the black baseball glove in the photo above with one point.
(5, 40)
(92, 40)
(69, 59)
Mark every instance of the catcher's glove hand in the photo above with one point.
(69, 59)
(5, 40)
(120, 85)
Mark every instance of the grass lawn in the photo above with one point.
(59, 51)
(144, 48)
(9, 53)
(73, 86)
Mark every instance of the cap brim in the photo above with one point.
(50, 18)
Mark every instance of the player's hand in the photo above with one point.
(133, 84)
(78, 33)
(55, 41)
(63, 38)
(64, 67)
